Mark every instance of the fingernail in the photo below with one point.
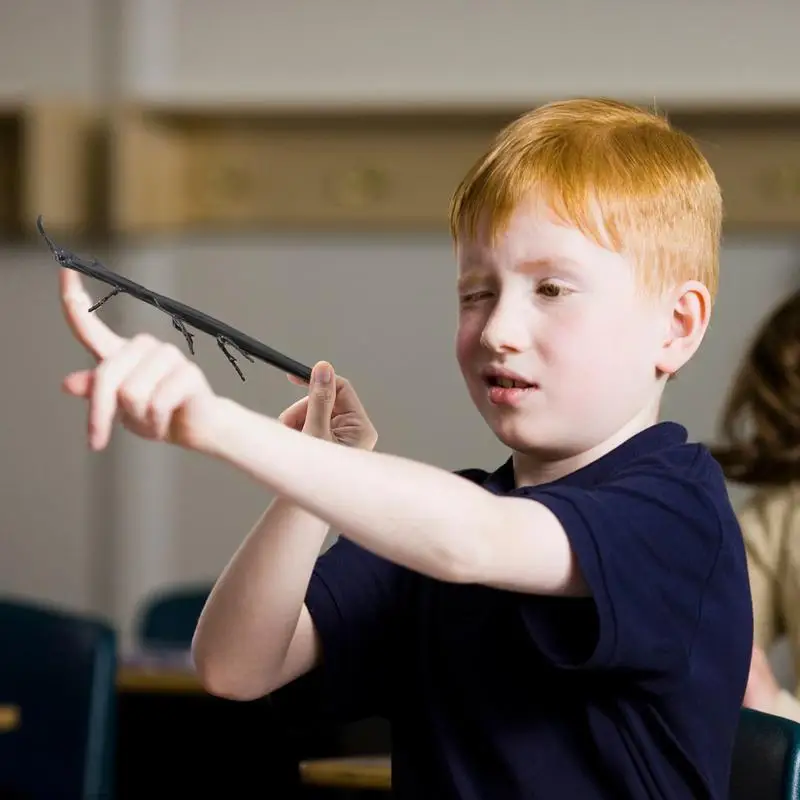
(324, 374)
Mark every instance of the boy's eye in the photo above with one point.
(474, 297)
(552, 290)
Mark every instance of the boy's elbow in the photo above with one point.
(219, 679)
(220, 685)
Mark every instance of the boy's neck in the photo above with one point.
(533, 470)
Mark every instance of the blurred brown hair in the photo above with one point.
(761, 420)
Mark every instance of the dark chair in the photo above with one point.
(168, 619)
(226, 746)
(60, 670)
(766, 758)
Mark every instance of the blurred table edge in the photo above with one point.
(158, 679)
(9, 717)
(351, 772)
(152, 671)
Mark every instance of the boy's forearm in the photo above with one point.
(415, 515)
(244, 632)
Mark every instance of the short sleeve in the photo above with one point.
(647, 543)
(354, 601)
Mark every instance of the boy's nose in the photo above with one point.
(505, 332)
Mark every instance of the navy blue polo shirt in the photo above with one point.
(494, 695)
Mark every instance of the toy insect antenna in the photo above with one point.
(183, 316)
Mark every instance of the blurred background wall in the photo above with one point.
(98, 532)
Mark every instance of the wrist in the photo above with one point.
(217, 426)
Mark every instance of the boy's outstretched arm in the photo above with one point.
(416, 515)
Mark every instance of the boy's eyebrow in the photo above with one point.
(532, 265)
(475, 273)
(472, 277)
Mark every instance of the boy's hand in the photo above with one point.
(155, 390)
(331, 410)
(762, 687)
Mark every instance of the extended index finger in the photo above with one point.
(87, 327)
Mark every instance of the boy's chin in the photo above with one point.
(522, 438)
(530, 434)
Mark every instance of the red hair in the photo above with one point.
(620, 174)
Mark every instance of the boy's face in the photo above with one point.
(548, 307)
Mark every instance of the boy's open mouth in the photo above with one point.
(508, 383)
(506, 389)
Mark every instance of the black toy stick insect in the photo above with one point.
(182, 315)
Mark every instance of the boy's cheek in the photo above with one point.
(467, 344)
(591, 350)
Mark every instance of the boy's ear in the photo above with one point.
(689, 317)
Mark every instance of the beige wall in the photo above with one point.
(96, 532)
(474, 50)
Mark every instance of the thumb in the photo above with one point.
(78, 384)
(321, 397)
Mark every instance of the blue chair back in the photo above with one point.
(766, 758)
(168, 618)
(59, 668)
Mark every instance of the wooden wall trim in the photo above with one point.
(178, 168)
(756, 157)
(193, 167)
(51, 164)
(244, 168)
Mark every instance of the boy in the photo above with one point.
(577, 623)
